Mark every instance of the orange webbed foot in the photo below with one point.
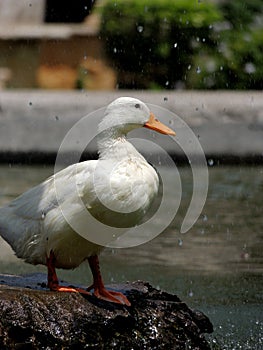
(112, 296)
(99, 289)
(53, 279)
(68, 289)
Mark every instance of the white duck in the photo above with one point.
(121, 181)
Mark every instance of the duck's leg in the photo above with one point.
(53, 279)
(99, 289)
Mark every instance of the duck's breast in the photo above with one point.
(124, 191)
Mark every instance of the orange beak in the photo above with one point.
(156, 125)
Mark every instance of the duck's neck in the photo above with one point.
(113, 144)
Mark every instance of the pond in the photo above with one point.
(216, 267)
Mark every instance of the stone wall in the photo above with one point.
(227, 124)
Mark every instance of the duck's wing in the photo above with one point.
(37, 209)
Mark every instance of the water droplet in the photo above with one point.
(85, 57)
(250, 68)
(165, 99)
(191, 294)
(197, 39)
(221, 67)
(210, 162)
(115, 50)
(175, 44)
(245, 255)
(140, 29)
(180, 242)
(203, 40)
(167, 83)
(210, 26)
(198, 70)
(205, 218)
(43, 215)
(189, 67)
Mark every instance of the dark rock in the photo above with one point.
(34, 318)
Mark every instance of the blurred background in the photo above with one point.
(201, 60)
(158, 44)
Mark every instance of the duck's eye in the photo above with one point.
(137, 105)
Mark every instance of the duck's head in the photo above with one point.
(126, 113)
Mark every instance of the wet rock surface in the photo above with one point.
(34, 318)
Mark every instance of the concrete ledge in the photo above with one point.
(28, 31)
(227, 124)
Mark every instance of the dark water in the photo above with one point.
(216, 267)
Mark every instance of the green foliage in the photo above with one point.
(169, 44)
(150, 42)
(241, 13)
(237, 63)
